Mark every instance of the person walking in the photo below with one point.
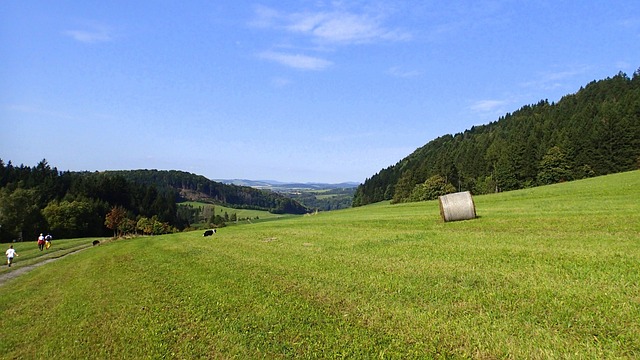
(11, 252)
(41, 242)
(47, 241)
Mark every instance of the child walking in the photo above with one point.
(11, 252)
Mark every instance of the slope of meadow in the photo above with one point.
(549, 272)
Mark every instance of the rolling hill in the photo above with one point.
(595, 131)
(316, 196)
(198, 188)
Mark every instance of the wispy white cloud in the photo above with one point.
(343, 27)
(397, 71)
(485, 106)
(94, 33)
(326, 27)
(555, 79)
(265, 17)
(298, 61)
(335, 26)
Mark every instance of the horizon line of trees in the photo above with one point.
(595, 131)
(40, 199)
(243, 197)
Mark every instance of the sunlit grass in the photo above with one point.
(30, 254)
(550, 272)
(240, 213)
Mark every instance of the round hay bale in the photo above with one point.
(457, 206)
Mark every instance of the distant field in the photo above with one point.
(247, 215)
(324, 194)
(550, 272)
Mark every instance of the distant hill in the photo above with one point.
(198, 188)
(595, 131)
(81, 204)
(279, 185)
(316, 196)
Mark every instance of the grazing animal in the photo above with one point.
(208, 233)
(96, 242)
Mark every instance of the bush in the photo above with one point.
(432, 188)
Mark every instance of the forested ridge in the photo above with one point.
(595, 131)
(77, 204)
(197, 187)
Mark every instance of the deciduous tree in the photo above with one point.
(554, 167)
(433, 187)
(114, 219)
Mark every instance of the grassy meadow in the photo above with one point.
(549, 272)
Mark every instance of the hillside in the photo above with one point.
(546, 272)
(595, 131)
(316, 196)
(67, 204)
(198, 188)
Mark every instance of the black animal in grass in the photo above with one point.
(95, 242)
(209, 232)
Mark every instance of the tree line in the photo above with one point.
(199, 188)
(78, 204)
(595, 131)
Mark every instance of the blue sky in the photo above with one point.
(310, 91)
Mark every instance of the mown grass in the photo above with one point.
(30, 254)
(551, 272)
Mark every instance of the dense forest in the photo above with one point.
(199, 188)
(77, 204)
(593, 132)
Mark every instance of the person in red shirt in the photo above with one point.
(41, 242)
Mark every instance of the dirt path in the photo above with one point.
(24, 269)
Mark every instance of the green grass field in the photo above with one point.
(550, 272)
(29, 253)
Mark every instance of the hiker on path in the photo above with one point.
(47, 241)
(41, 242)
(10, 254)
